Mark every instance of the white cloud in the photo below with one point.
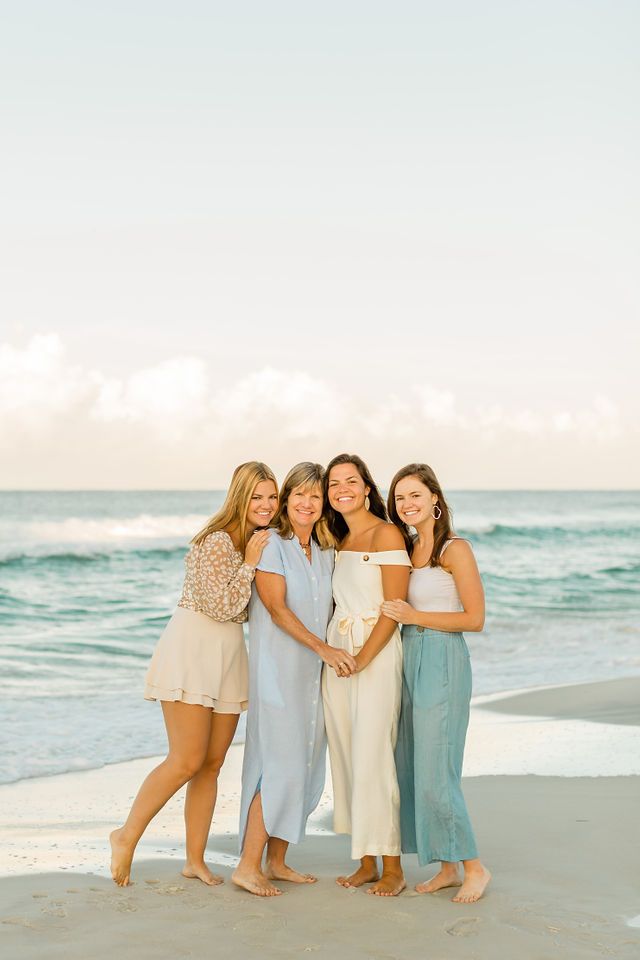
(177, 389)
(171, 423)
(295, 404)
(37, 384)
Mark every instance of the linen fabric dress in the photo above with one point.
(201, 657)
(436, 693)
(285, 745)
(362, 711)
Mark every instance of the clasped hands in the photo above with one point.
(343, 662)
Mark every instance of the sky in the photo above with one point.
(282, 231)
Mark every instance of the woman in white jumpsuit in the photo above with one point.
(362, 710)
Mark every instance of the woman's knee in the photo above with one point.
(186, 765)
(212, 765)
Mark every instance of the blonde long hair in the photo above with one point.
(305, 475)
(233, 512)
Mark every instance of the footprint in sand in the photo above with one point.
(19, 921)
(39, 896)
(467, 927)
(251, 929)
(126, 906)
(54, 911)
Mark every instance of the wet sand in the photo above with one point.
(560, 848)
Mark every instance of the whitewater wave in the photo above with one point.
(145, 526)
(89, 538)
(61, 556)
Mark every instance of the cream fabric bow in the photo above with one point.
(352, 627)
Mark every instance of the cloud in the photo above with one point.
(177, 389)
(37, 384)
(167, 423)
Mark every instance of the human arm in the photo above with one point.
(222, 586)
(395, 581)
(272, 590)
(461, 564)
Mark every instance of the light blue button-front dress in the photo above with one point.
(285, 746)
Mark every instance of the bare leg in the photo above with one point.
(447, 876)
(201, 797)
(476, 879)
(277, 869)
(367, 872)
(188, 729)
(392, 881)
(248, 874)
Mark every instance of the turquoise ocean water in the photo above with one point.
(88, 580)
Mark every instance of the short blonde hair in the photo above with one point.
(233, 512)
(306, 475)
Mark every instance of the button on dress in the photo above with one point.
(285, 745)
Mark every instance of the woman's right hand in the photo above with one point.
(341, 661)
(255, 545)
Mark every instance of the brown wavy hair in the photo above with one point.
(233, 512)
(305, 475)
(442, 530)
(337, 524)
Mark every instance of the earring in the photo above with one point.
(436, 516)
(367, 502)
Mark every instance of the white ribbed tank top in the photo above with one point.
(433, 589)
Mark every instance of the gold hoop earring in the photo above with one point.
(367, 502)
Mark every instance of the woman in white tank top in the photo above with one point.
(445, 597)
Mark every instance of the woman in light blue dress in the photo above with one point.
(284, 759)
(445, 597)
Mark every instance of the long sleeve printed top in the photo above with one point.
(217, 580)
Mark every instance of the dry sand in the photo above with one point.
(563, 851)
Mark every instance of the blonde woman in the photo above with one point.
(445, 597)
(199, 669)
(362, 710)
(284, 758)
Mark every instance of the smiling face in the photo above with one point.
(346, 488)
(263, 504)
(414, 501)
(304, 508)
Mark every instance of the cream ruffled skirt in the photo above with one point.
(199, 660)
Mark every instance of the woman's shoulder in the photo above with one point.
(218, 541)
(386, 536)
(455, 549)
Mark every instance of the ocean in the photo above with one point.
(89, 579)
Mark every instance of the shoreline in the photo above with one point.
(548, 840)
(511, 703)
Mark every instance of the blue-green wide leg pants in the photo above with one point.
(436, 690)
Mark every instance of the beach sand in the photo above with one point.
(563, 851)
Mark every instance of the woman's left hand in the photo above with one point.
(398, 610)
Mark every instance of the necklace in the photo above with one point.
(307, 548)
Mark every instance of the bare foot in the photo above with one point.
(447, 877)
(121, 857)
(201, 872)
(389, 885)
(254, 882)
(475, 883)
(362, 875)
(281, 871)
